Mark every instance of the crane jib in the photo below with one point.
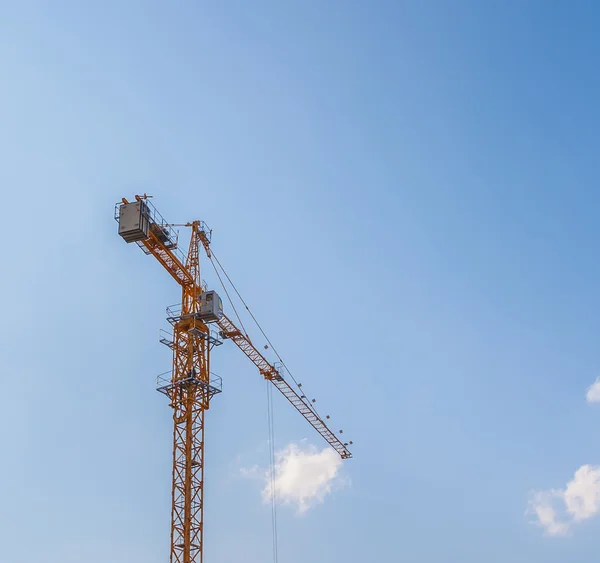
(271, 373)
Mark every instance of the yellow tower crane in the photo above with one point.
(190, 385)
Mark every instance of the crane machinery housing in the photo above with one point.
(198, 325)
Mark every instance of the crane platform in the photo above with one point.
(166, 386)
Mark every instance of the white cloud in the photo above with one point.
(582, 495)
(593, 392)
(303, 476)
(557, 510)
(543, 504)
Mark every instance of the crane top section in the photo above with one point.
(141, 223)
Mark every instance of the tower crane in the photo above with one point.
(199, 324)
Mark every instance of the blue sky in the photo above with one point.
(406, 194)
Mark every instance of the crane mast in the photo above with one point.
(189, 394)
(190, 385)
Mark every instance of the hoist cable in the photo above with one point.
(272, 472)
